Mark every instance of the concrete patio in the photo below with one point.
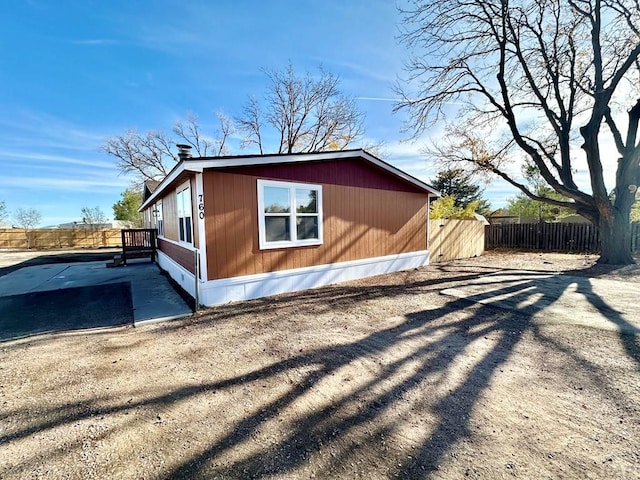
(71, 296)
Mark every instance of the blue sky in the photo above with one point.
(77, 72)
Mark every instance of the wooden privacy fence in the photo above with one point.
(635, 237)
(60, 238)
(560, 237)
(453, 239)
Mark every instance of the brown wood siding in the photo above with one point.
(178, 254)
(170, 211)
(147, 218)
(359, 222)
(350, 173)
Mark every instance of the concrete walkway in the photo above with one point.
(558, 298)
(69, 296)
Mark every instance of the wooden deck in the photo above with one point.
(138, 243)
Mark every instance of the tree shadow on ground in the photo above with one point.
(597, 270)
(331, 298)
(453, 411)
(413, 359)
(431, 360)
(628, 333)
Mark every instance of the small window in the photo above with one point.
(157, 213)
(184, 214)
(290, 214)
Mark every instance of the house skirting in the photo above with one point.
(247, 287)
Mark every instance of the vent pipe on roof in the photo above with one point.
(184, 151)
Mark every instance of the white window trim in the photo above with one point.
(158, 217)
(264, 245)
(180, 189)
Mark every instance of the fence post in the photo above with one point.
(124, 245)
(197, 277)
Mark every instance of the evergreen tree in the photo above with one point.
(457, 183)
(127, 207)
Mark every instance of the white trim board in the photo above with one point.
(201, 227)
(247, 287)
(181, 275)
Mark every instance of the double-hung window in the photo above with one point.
(183, 195)
(289, 214)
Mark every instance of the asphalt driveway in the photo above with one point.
(71, 296)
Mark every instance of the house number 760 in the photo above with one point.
(200, 206)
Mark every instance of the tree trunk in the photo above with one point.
(615, 240)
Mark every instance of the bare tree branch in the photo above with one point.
(251, 124)
(151, 156)
(225, 130)
(534, 70)
(307, 114)
(189, 132)
(146, 156)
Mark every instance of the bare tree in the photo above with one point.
(3, 212)
(551, 74)
(191, 134)
(27, 219)
(225, 129)
(148, 155)
(93, 216)
(251, 124)
(151, 156)
(307, 114)
(95, 219)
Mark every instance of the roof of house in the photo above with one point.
(199, 164)
(149, 187)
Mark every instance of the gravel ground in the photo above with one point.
(374, 379)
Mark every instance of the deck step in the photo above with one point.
(116, 262)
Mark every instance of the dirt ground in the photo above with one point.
(374, 379)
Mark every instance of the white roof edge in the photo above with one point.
(173, 174)
(400, 173)
(200, 164)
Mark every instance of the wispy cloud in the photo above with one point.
(179, 34)
(33, 129)
(379, 99)
(386, 75)
(95, 41)
(97, 184)
(56, 159)
(55, 165)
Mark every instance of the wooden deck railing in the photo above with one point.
(138, 243)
